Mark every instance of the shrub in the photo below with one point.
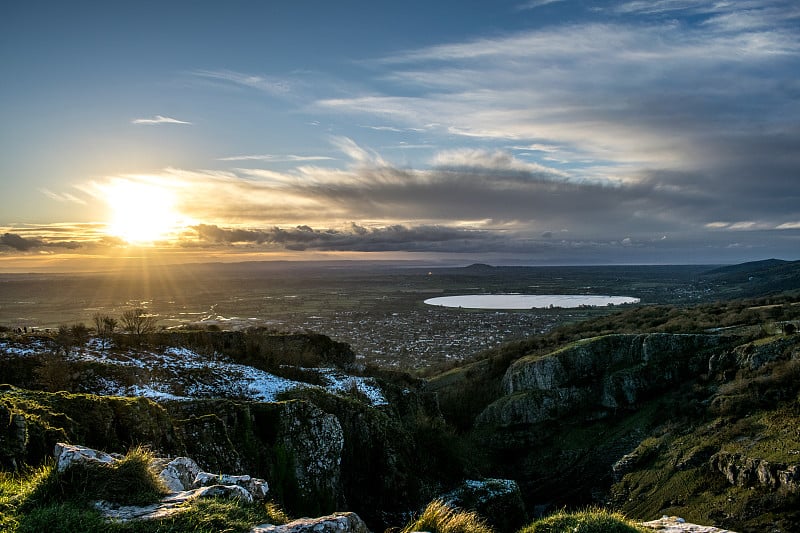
(588, 521)
(438, 517)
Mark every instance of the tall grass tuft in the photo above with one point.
(594, 520)
(438, 517)
(129, 481)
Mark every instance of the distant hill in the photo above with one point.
(757, 278)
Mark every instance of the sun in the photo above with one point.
(141, 213)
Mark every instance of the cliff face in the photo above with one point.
(698, 426)
(597, 375)
(321, 453)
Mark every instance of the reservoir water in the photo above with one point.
(528, 301)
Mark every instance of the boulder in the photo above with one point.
(335, 523)
(67, 455)
(675, 524)
(257, 488)
(498, 500)
(179, 474)
(231, 492)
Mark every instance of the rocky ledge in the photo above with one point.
(186, 482)
(674, 524)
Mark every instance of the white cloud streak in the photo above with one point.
(272, 158)
(158, 119)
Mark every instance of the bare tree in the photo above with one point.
(64, 339)
(80, 334)
(105, 326)
(138, 323)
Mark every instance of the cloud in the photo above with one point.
(533, 4)
(669, 115)
(19, 243)
(63, 197)
(789, 225)
(271, 85)
(159, 119)
(354, 238)
(23, 244)
(277, 158)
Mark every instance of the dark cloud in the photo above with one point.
(19, 243)
(355, 238)
(23, 244)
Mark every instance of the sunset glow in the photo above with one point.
(523, 132)
(141, 213)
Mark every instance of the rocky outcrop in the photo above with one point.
(498, 500)
(675, 524)
(749, 472)
(176, 474)
(13, 437)
(67, 455)
(596, 375)
(176, 477)
(754, 355)
(313, 441)
(335, 523)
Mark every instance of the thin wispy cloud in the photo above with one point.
(63, 197)
(272, 85)
(290, 158)
(159, 119)
(533, 4)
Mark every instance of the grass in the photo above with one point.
(438, 517)
(200, 516)
(45, 500)
(129, 481)
(589, 521)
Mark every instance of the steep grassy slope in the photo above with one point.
(703, 426)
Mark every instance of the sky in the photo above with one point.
(507, 132)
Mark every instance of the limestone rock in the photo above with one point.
(335, 523)
(314, 441)
(179, 474)
(168, 506)
(231, 492)
(674, 524)
(747, 472)
(13, 436)
(499, 500)
(753, 356)
(256, 488)
(626, 463)
(597, 375)
(67, 455)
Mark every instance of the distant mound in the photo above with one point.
(479, 267)
(749, 268)
(757, 278)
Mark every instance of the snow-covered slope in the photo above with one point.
(181, 373)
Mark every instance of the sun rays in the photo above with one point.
(141, 212)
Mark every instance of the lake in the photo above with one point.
(528, 301)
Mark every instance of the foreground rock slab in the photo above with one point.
(335, 523)
(674, 524)
(67, 455)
